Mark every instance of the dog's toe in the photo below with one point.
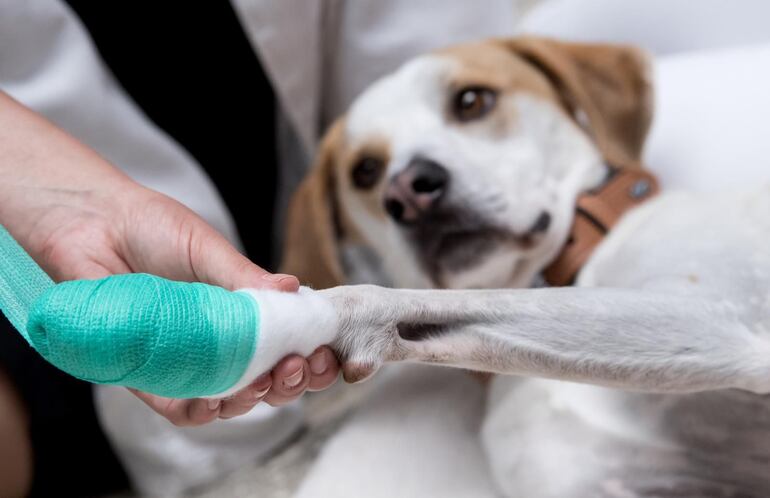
(354, 371)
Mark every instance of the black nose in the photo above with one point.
(541, 223)
(416, 190)
(429, 177)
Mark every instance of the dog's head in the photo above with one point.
(462, 168)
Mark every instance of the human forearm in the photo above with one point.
(43, 168)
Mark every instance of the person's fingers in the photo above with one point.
(232, 408)
(291, 377)
(216, 262)
(161, 236)
(276, 400)
(279, 281)
(86, 271)
(158, 404)
(324, 369)
(182, 412)
(199, 411)
(246, 398)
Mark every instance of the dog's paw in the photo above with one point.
(367, 329)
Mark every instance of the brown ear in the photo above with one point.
(310, 248)
(608, 83)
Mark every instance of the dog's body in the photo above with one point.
(614, 443)
(479, 190)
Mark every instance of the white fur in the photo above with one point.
(440, 455)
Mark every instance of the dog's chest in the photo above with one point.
(591, 441)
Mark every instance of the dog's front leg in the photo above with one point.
(622, 338)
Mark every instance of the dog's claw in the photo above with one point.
(354, 372)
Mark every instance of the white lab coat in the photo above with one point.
(318, 56)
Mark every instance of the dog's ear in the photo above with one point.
(604, 87)
(312, 231)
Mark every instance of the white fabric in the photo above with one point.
(711, 75)
(165, 460)
(416, 436)
(288, 38)
(661, 26)
(710, 129)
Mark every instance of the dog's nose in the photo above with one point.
(416, 190)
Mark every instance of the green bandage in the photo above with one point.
(175, 339)
(170, 338)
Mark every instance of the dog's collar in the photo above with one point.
(596, 213)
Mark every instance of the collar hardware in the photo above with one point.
(597, 211)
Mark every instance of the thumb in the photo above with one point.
(215, 261)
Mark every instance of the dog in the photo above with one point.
(471, 168)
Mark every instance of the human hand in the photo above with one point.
(138, 230)
(80, 218)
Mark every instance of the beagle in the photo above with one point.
(480, 167)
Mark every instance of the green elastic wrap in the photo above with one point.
(21, 282)
(169, 338)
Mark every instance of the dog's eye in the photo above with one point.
(367, 172)
(473, 103)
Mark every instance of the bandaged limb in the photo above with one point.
(173, 339)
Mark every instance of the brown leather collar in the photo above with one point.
(596, 213)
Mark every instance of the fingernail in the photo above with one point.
(261, 394)
(294, 379)
(275, 277)
(214, 404)
(318, 364)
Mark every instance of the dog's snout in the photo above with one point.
(416, 190)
